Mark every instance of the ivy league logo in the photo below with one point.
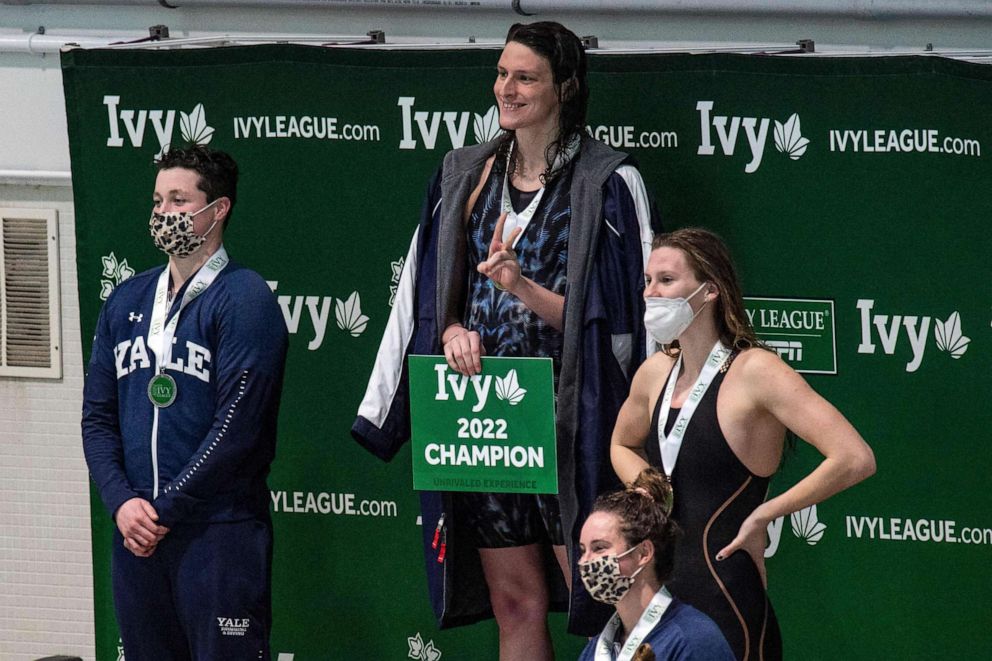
(428, 125)
(787, 136)
(507, 388)
(889, 329)
(136, 122)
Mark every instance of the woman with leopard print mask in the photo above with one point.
(628, 552)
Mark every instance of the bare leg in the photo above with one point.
(519, 596)
(566, 569)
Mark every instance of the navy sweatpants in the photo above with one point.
(205, 594)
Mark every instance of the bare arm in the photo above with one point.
(775, 387)
(634, 421)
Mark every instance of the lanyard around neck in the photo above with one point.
(649, 618)
(514, 219)
(672, 443)
(160, 333)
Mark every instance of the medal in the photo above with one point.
(669, 500)
(162, 390)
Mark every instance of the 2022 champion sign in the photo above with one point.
(492, 432)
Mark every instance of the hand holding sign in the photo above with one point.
(463, 349)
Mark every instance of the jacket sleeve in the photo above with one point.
(102, 444)
(629, 216)
(383, 422)
(250, 358)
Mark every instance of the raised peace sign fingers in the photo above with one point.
(502, 267)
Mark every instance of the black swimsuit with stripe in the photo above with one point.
(714, 493)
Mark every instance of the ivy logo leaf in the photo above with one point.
(486, 127)
(949, 337)
(349, 315)
(806, 527)
(789, 139)
(114, 273)
(508, 390)
(194, 126)
(394, 282)
(124, 271)
(431, 653)
(109, 265)
(397, 268)
(106, 288)
(416, 644)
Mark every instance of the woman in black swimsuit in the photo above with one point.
(712, 409)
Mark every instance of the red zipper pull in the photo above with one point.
(437, 532)
(444, 546)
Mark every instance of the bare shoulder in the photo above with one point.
(652, 373)
(767, 379)
(757, 363)
(659, 364)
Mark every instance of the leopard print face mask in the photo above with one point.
(173, 232)
(603, 579)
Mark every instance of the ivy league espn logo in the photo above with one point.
(801, 330)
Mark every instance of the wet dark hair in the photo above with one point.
(564, 53)
(645, 516)
(710, 261)
(218, 171)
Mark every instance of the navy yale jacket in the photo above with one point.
(208, 457)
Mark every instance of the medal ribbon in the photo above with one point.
(649, 618)
(672, 443)
(514, 219)
(161, 334)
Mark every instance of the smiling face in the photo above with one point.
(525, 91)
(601, 536)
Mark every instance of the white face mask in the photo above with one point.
(667, 318)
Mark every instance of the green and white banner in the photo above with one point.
(492, 432)
(801, 330)
(853, 193)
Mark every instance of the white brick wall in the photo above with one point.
(46, 582)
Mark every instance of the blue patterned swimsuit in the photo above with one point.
(509, 328)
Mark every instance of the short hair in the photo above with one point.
(218, 171)
(642, 512)
(710, 261)
(567, 59)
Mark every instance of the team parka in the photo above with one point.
(605, 342)
(204, 458)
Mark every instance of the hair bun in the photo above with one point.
(656, 486)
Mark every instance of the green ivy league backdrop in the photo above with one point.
(896, 239)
